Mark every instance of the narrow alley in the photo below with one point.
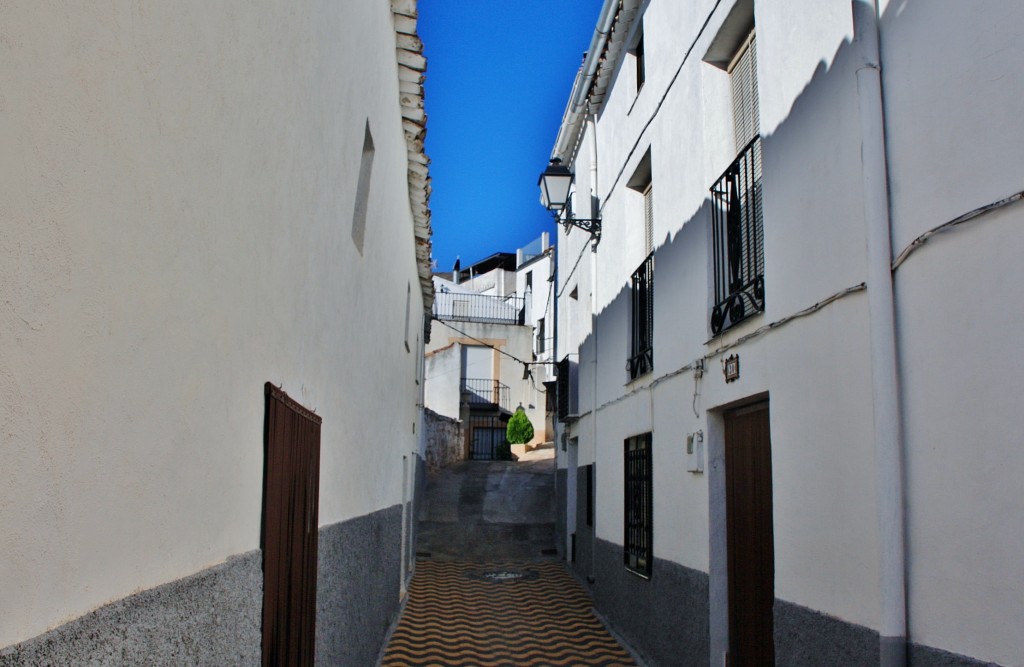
(488, 588)
(687, 335)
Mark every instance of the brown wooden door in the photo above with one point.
(751, 548)
(291, 481)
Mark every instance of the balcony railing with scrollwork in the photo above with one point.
(484, 391)
(738, 240)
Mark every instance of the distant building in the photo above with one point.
(492, 323)
(790, 418)
(209, 391)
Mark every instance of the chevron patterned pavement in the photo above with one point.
(499, 614)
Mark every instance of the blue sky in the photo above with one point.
(498, 76)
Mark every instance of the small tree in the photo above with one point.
(519, 430)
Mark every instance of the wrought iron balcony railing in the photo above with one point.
(484, 391)
(465, 307)
(738, 240)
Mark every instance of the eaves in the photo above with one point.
(412, 65)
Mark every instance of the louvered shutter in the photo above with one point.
(743, 76)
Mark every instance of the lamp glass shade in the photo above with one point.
(554, 186)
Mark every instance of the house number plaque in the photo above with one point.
(731, 367)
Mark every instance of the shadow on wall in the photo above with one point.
(813, 229)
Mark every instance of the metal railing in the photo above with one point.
(462, 307)
(484, 391)
(738, 240)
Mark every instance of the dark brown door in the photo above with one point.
(748, 483)
(291, 481)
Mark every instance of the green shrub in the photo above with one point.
(519, 430)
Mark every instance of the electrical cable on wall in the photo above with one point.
(946, 226)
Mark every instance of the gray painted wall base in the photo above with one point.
(210, 618)
(665, 618)
(807, 637)
(925, 656)
(214, 617)
(357, 587)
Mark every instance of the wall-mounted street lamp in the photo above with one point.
(555, 183)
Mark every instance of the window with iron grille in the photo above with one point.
(641, 353)
(639, 505)
(562, 387)
(649, 219)
(590, 494)
(737, 221)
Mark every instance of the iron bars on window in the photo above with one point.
(641, 350)
(738, 239)
(639, 505)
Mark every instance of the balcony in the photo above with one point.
(486, 308)
(484, 392)
(738, 240)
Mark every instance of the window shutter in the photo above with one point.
(743, 77)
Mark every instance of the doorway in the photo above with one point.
(749, 535)
(291, 498)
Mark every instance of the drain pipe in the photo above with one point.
(594, 213)
(888, 430)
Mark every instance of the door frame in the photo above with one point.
(718, 562)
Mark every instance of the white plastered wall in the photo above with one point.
(179, 187)
(954, 78)
(953, 81)
(814, 371)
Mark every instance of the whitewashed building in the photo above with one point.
(493, 322)
(198, 200)
(790, 412)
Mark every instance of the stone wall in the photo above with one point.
(445, 440)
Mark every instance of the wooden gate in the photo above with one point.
(291, 480)
(751, 547)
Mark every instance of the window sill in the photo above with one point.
(645, 576)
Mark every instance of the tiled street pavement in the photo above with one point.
(504, 613)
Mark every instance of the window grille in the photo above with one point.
(649, 219)
(641, 357)
(639, 505)
(590, 495)
(562, 387)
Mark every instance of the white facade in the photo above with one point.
(489, 320)
(179, 187)
(535, 281)
(950, 73)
